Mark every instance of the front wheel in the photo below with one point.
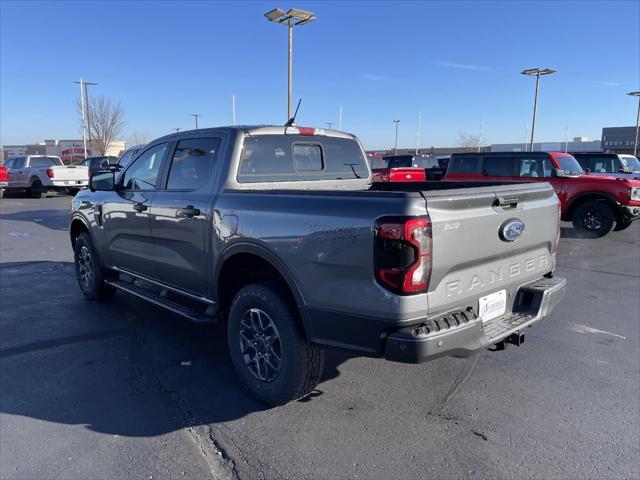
(593, 219)
(272, 357)
(90, 274)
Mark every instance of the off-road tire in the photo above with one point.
(301, 362)
(622, 224)
(593, 219)
(96, 289)
(36, 190)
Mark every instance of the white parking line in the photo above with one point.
(585, 329)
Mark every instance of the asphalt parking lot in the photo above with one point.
(126, 390)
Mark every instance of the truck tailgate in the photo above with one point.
(71, 172)
(472, 258)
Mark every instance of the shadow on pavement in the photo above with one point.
(54, 219)
(122, 367)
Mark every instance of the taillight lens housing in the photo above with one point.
(50, 173)
(403, 250)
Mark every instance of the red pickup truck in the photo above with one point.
(595, 204)
(4, 179)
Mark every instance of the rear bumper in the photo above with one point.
(60, 184)
(462, 334)
(457, 334)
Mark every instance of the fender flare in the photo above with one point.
(577, 199)
(268, 256)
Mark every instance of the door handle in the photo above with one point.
(189, 211)
(139, 207)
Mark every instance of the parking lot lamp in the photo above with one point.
(395, 149)
(536, 72)
(293, 18)
(635, 145)
(196, 115)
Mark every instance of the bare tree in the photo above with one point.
(138, 138)
(105, 122)
(469, 140)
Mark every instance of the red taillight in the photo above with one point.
(403, 254)
(50, 173)
(407, 175)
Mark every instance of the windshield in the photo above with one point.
(569, 164)
(631, 162)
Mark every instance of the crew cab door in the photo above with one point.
(17, 172)
(124, 214)
(181, 220)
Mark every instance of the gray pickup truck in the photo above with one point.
(279, 233)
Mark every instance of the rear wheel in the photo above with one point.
(37, 190)
(269, 351)
(622, 224)
(593, 219)
(90, 274)
(1, 193)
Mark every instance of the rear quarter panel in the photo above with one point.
(325, 239)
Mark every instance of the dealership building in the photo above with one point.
(68, 150)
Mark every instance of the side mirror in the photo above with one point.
(102, 181)
(558, 172)
(587, 170)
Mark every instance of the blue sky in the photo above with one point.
(458, 63)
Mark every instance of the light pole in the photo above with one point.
(635, 145)
(293, 18)
(196, 115)
(395, 150)
(328, 124)
(84, 119)
(536, 72)
(177, 130)
(418, 133)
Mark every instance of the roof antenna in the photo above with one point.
(292, 120)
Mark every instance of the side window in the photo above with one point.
(535, 167)
(497, 166)
(143, 173)
(126, 158)
(9, 163)
(19, 162)
(192, 163)
(307, 157)
(464, 164)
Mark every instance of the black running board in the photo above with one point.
(160, 301)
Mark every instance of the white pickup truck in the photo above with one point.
(38, 174)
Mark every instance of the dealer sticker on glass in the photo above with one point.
(493, 305)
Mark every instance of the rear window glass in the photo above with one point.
(286, 158)
(43, 161)
(497, 166)
(464, 164)
(307, 157)
(399, 161)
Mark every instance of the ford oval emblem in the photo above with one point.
(511, 230)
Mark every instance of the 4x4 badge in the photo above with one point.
(511, 230)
